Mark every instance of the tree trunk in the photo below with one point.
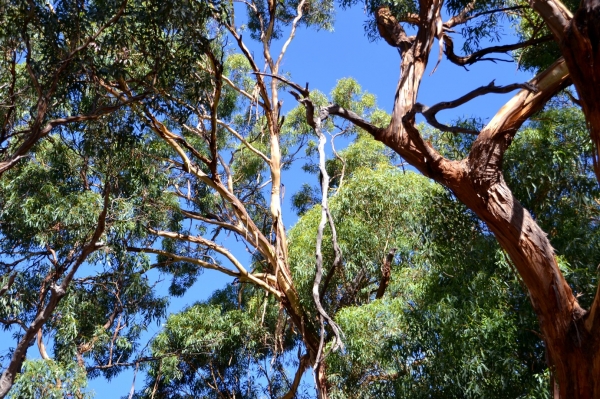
(321, 381)
(579, 41)
(570, 333)
(573, 351)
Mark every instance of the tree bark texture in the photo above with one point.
(571, 334)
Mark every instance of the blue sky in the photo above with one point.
(321, 58)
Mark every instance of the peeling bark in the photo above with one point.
(570, 332)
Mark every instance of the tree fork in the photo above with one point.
(572, 342)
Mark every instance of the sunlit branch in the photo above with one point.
(260, 82)
(243, 273)
(239, 137)
(462, 17)
(316, 124)
(242, 92)
(238, 208)
(227, 226)
(292, 33)
(179, 258)
(526, 102)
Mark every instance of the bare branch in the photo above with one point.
(260, 82)
(243, 273)
(354, 118)
(430, 112)
(479, 55)
(464, 16)
(292, 33)
(179, 258)
(242, 92)
(325, 217)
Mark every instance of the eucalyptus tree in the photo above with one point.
(51, 53)
(476, 180)
(570, 330)
(230, 143)
(428, 302)
(68, 214)
(220, 115)
(57, 58)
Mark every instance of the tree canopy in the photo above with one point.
(139, 139)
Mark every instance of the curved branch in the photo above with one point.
(354, 118)
(430, 112)
(187, 259)
(325, 217)
(304, 363)
(299, 14)
(243, 273)
(478, 55)
(463, 17)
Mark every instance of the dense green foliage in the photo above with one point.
(454, 322)
(137, 143)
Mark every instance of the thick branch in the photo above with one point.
(391, 30)
(9, 283)
(580, 48)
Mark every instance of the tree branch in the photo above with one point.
(304, 363)
(430, 112)
(385, 273)
(325, 216)
(478, 55)
(464, 16)
(57, 292)
(9, 283)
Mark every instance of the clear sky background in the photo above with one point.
(321, 58)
